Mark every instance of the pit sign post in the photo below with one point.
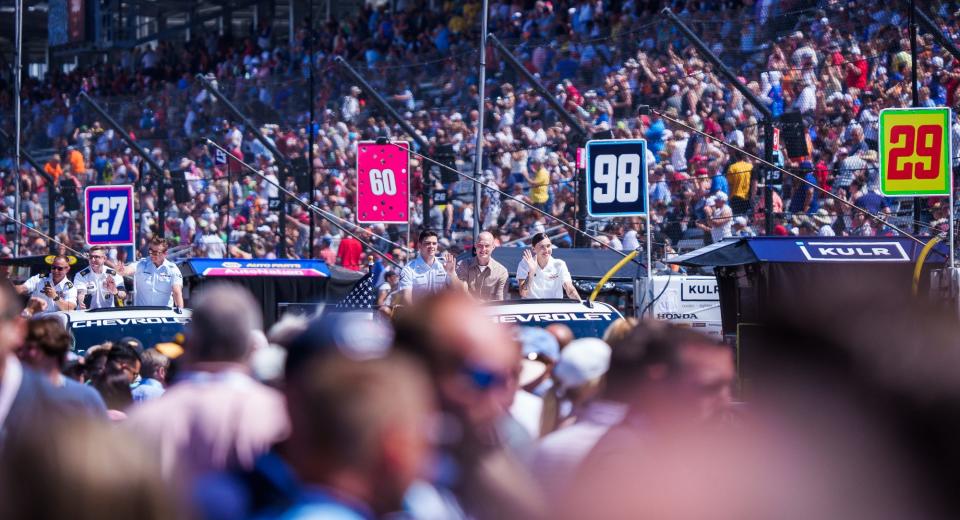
(616, 178)
(617, 186)
(915, 155)
(916, 159)
(108, 215)
(383, 183)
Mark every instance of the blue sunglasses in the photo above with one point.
(483, 378)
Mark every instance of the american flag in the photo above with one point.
(362, 296)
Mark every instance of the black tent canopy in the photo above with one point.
(754, 274)
(274, 283)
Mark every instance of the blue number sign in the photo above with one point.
(108, 215)
(617, 178)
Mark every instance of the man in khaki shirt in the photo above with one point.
(482, 276)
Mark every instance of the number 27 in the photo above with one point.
(924, 141)
(101, 209)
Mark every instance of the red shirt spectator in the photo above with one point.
(288, 143)
(857, 73)
(233, 165)
(822, 173)
(349, 253)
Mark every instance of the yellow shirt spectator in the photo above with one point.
(538, 186)
(738, 177)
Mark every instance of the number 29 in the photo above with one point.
(923, 141)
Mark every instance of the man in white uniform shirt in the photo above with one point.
(103, 284)
(156, 280)
(540, 275)
(426, 273)
(55, 290)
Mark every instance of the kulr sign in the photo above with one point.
(853, 251)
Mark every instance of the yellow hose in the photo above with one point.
(919, 265)
(610, 274)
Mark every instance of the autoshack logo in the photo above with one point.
(853, 251)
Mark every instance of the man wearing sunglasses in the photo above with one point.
(103, 284)
(156, 280)
(55, 290)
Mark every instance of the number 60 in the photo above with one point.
(383, 182)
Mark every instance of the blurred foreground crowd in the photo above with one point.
(444, 415)
(835, 64)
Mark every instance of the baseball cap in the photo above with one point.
(351, 334)
(133, 343)
(582, 361)
(537, 344)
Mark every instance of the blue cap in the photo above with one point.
(356, 335)
(538, 341)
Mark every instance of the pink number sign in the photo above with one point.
(383, 182)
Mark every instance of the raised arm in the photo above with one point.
(121, 268)
(526, 278)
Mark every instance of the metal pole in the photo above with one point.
(17, 71)
(725, 71)
(310, 207)
(916, 100)
(478, 156)
(382, 103)
(768, 175)
(952, 233)
(52, 196)
(243, 119)
(581, 209)
(230, 206)
(154, 166)
(921, 18)
(291, 22)
(752, 98)
(928, 24)
(282, 159)
(566, 116)
(649, 284)
(313, 186)
(418, 140)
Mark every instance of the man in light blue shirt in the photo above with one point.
(156, 280)
(153, 373)
(426, 273)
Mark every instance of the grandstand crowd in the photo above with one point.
(842, 402)
(837, 64)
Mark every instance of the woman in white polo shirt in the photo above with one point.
(540, 275)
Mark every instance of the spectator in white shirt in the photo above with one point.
(732, 134)
(806, 98)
